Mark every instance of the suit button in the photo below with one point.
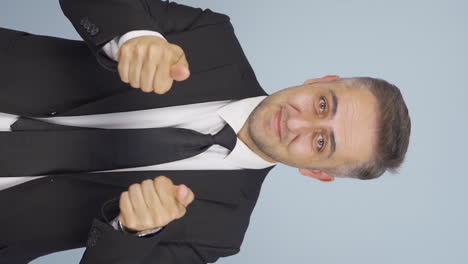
(91, 28)
(94, 31)
(87, 25)
(52, 113)
(83, 21)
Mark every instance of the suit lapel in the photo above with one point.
(222, 83)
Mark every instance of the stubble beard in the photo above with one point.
(260, 139)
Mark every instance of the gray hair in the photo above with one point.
(393, 131)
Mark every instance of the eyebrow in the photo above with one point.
(334, 104)
(332, 142)
(333, 113)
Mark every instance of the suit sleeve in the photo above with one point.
(99, 21)
(105, 245)
(108, 246)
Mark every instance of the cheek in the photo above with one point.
(300, 148)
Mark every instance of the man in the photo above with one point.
(68, 194)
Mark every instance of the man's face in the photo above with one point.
(321, 124)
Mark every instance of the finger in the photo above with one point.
(180, 67)
(138, 202)
(127, 214)
(147, 74)
(123, 66)
(163, 80)
(136, 63)
(180, 70)
(184, 195)
(166, 192)
(150, 194)
(184, 198)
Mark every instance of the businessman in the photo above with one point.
(148, 142)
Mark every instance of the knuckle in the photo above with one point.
(147, 88)
(139, 50)
(147, 181)
(158, 180)
(162, 177)
(134, 84)
(165, 87)
(154, 50)
(146, 186)
(176, 49)
(162, 89)
(130, 82)
(162, 180)
(159, 89)
(167, 54)
(134, 187)
(124, 50)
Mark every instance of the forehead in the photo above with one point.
(355, 121)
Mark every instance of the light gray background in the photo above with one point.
(417, 216)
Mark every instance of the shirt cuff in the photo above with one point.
(115, 223)
(113, 46)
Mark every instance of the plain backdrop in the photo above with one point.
(416, 216)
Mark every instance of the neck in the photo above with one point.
(244, 136)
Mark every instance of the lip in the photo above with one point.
(276, 123)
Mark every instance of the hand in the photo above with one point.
(152, 64)
(153, 203)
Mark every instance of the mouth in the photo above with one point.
(276, 123)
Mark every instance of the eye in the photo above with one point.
(322, 104)
(320, 143)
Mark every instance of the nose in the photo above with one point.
(298, 123)
(303, 122)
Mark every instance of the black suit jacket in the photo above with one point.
(73, 210)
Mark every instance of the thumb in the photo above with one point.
(180, 70)
(184, 195)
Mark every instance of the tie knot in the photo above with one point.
(226, 137)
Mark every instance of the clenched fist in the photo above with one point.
(153, 203)
(152, 64)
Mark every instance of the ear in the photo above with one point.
(323, 79)
(317, 174)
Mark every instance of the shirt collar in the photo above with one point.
(235, 113)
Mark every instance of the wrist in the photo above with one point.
(137, 233)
